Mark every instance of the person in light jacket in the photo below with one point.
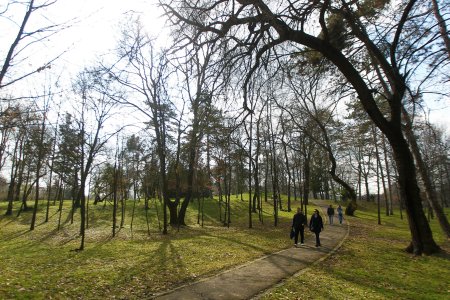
(340, 214)
(316, 226)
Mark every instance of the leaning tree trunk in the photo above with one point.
(422, 237)
(423, 170)
(442, 27)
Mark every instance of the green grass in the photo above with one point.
(372, 264)
(42, 264)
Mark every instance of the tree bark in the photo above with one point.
(422, 238)
(388, 173)
(423, 170)
(442, 26)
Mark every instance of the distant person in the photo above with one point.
(316, 225)
(330, 213)
(298, 224)
(340, 214)
(97, 199)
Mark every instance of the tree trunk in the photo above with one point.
(190, 180)
(422, 238)
(38, 171)
(306, 178)
(388, 174)
(423, 170)
(442, 26)
(380, 172)
(266, 176)
(114, 224)
(12, 187)
(250, 161)
(289, 179)
(360, 174)
(60, 198)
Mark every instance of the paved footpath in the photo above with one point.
(249, 280)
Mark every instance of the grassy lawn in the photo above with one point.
(42, 264)
(138, 263)
(371, 264)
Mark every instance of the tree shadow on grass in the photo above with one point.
(443, 254)
(15, 235)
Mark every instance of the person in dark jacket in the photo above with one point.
(330, 213)
(316, 225)
(298, 224)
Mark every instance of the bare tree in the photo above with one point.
(95, 91)
(143, 71)
(196, 71)
(17, 53)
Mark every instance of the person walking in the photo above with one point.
(340, 214)
(316, 226)
(330, 213)
(298, 225)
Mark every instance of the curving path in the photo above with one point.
(251, 279)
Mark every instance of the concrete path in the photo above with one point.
(248, 280)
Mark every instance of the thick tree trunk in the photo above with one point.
(190, 183)
(422, 238)
(423, 170)
(193, 145)
(173, 213)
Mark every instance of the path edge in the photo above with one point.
(262, 292)
(237, 267)
(304, 270)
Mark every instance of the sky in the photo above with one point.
(95, 29)
(97, 25)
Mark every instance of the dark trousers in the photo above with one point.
(317, 233)
(300, 230)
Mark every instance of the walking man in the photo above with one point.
(298, 224)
